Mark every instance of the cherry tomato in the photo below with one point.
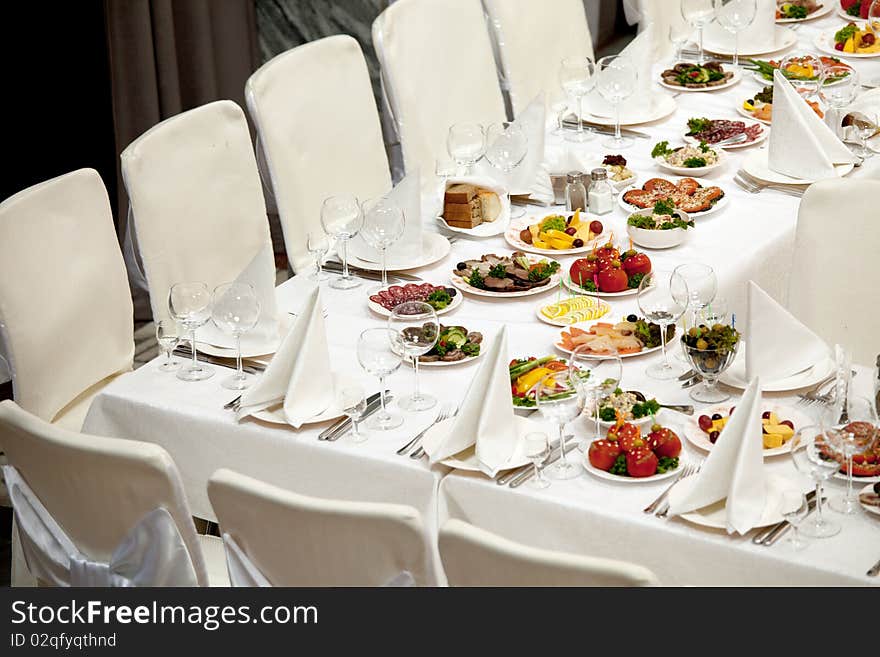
(641, 462)
(603, 453)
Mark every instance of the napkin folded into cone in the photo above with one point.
(801, 145)
(758, 36)
(485, 419)
(734, 470)
(299, 375)
(777, 345)
(640, 52)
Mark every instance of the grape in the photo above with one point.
(705, 422)
(765, 415)
(596, 227)
(714, 436)
(716, 416)
(788, 423)
(732, 409)
(571, 230)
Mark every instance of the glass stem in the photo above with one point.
(354, 427)
(537, 471)
(383, 414)
(617, 136)
(417, 396)
(736, 49)
(384, 268)
(168, 357)
(580, 121)
(345, 273)
(195, 364)
(562, 445)
(702, 59)
(598, 436)
(239, 374)
(849, 478)
(663, 344)
(818, 503)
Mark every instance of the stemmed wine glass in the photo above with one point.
(559, 399)
(597, 378)
(235, 310)
(850, 437)
(507, 147)
(341, 218)
(806, 86)
(795, 509)
(378, 357)
(811, 452)
(415, 330)
(616, 81)
(698, 14)
(353, 404)
(537, 451)
(715, 312)
(383, 226)
(190, 305)
(663, 298)
(702, 285)
(318, 244)
(466, 143)
(734, 16)
(168, 338)
(576, 78)
(865, 125)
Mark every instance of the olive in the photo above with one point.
(765, 415)
(451, 291)
(717, 327)
(571, 230)
(461, 266)
(578, 243)
(713, 436)
(694, 332)
(716, 416)
(632, 318)
(702, 344)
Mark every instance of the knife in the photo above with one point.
(510, 474)
(687, 375)
(250, 368)
(338, 424)
(371, 408)
(601, 129)
(336, 268)
(765, 536)
(528, 474)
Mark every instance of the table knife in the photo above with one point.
(510, 474)
(250, 368)
(371, 408)
(765, 535)
(687, 375)
(602, 129)
(341, 421)
(336, 267)
(528, 474)
(772, 538)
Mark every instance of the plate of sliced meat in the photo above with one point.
(692, 195)
(441, 297)
(515, 275)
(713, 131)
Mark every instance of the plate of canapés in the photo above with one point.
(608, 272)
(696, 197)
(627, 456)
(631, 336)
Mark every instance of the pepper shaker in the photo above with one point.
(575, 192)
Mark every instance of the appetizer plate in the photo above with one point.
(722, 202)
(579, 313)
(461, 284)
(511, 235)
(558, 344)
(379, 309)
(867, 507)
(467, 458)
(435, 247)
(662, 106)
(821, 11)
(700, 439)
(765, 82)
(250, 348)
(764, 134)
(825, 43)
(744, 112)
(446, 363)
(692, 171)
(596, 472)
(785, 37)
(756, 164)
(737, 76)
(577, 289)
(735, 376)
(857, 479)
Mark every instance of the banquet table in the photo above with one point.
(751, 238)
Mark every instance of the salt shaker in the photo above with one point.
(575, 192)
(601, 196)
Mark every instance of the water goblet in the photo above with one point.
(507, 148)
(811, 453)
(698, 14)
(576, 78)
(560, 400)
(415, 331)
(702, 285)
(662, 298)
(235, 310)
(616, 81)
(383, 226)
(466, 144)
(537, 450)
(597, 377)
(168, 337)
(342, 218)
(190, 305)
(734, 16)
(849, 435)
(678, 36)
(377, 356)
(318, 244)
(353, 404)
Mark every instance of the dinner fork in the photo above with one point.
(664, 510)
(442, 415)
(420, 452)
(753, 186)
(687, 471)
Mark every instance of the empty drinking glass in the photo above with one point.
(507, 148)
(597, 376)
(576, 78)
(662, 298)
(341, 218)
(466, 143)
(698, 14)
(678, 36)
(616, 81)
(235, 310)
(560, 400)
(415, 330)
(850, 434)
(378, 357)
(702, 285)
(318, 244)
(354, 404)
(734, 16)
(167, 335)
(537, 451)
(811, 452)
(190, 305)
(383, 226)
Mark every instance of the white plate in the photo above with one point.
(856, 479)
(457, 300)
(870, 509)
(511, 235)
(825, 43)
(765, 82)
(735, 376)
(722, 202)
(276, 415)
(698, 438)
(694, 171)
(744, 112)
(434, 247)
(756, 164)
(563, 322)
(650, 350)
(737, 76)
(596, 472)
(577, 289)
(250, 349)
(715, 515)
(825, 9)
(785, 37)
(487, 228)
(462, 285)
(664, 105)
(446, 363)
(764, 134)
(467, 459)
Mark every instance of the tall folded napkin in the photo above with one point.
(640, 52)
(299, 374)
(563, 158)
(407, 195)
(759, 36)
(485, 418)
(734, 470)
(801, 145)
(778, 345)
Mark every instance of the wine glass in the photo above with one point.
(702, 285)
(734, 16)
(318, 244)
(190, 305)
(698, 14)
(167, 335)
(353, 404)
(597, 377)
(576, 78)
(806, 73)
(507, 147)
(560, 400)
(796, 508)
(341, 218)
(537, 450)
(466, 143)
(811, 453)
(616, 81)
(378, 357)
(715, 312)
(850, 435)
(383, 226)
(663, 298)
(865, 126)
(235, 310)
(678, 36)
(560, 109)
(415, 330)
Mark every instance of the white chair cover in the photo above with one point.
(196, 199)
(66, 323)
(656, 15)
(438, 69)
(533, 38)
(475, 557)
(314, 109)
(829, 289)
(295, 540)
(151, 554)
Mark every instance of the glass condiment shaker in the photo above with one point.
(601, 196)
(575, 192)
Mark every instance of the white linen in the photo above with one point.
(777, 344)
(242, 571)
(801, 144)
(759, 36)
(734, 470)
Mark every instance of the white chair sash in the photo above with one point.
(151, 554)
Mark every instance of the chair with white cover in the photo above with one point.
(475, 557)
(94, 511)
(533, 38)
(830, 289)
(66, 317)
(659, 16)
(437, 69)
(197, 200)
(316, 117)
(275, 537)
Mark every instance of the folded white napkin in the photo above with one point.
(640, 51)
(259, 274)
(734, 470)
(407, 195)
(486, 416)
(801, 145)
(299, 373)
(562, 158)
(759, 36)
(778, 345)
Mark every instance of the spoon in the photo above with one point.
(730, 141)
(687, 410)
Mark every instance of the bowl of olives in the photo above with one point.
(710, 351)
